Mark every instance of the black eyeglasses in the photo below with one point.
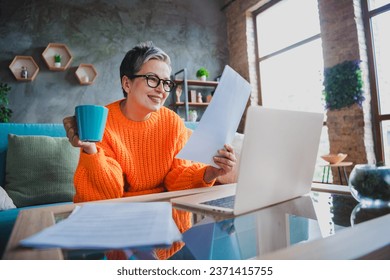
(153, 81)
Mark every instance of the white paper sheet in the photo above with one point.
(111, 226)
(220, 120)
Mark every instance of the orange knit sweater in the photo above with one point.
(136, 158)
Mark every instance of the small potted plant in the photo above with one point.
(192, 115)
(202, 74)
(57, 60)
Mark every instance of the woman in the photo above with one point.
(141, 139)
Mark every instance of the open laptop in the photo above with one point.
(277, 162)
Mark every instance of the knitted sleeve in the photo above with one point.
(185, 174)
(98, 177)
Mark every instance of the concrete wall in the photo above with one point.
(192, 32)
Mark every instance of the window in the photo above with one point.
(290, 62)
(377, 21)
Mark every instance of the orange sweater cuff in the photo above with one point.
(91, 159)
(198, 178)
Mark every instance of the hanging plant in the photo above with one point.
(343, 85)
(5, 112)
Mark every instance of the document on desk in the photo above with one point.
(220, 120)
(122, 225)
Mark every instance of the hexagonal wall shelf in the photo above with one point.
(54, 49)
(86, 74)
(24, 61)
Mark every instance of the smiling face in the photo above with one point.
(141, 99)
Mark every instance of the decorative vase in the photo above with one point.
(202, 78)
(370, 185)
(57, 64)
(193, 115)
(361, 214)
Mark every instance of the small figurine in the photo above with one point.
(24, 73)
(199, 100)
(178, 93)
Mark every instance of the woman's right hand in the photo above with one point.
(70, 125)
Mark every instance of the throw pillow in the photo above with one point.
(40, 169)
(5, 201)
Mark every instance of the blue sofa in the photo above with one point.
(8, 217)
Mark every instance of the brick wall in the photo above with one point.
(241, 45)
(342, 32)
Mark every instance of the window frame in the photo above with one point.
(288, 48)
(259, 58)
(377, 117)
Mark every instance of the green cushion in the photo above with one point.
(40, 169)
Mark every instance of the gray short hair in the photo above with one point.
(139, 55)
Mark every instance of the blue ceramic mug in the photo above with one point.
(91, 121)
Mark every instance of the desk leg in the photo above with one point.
(323, 174)
(345, 176)
(327, 176)
(341, 178)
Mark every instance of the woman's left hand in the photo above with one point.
(226, 160)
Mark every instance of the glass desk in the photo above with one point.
(282, 226)
(292, 229)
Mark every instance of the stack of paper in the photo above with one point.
(111, 226)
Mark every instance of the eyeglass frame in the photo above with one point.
(159, 81)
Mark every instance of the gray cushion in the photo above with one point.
(40, 169)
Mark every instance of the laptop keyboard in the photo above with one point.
(225, 202)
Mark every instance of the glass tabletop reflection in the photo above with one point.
(307, 218)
